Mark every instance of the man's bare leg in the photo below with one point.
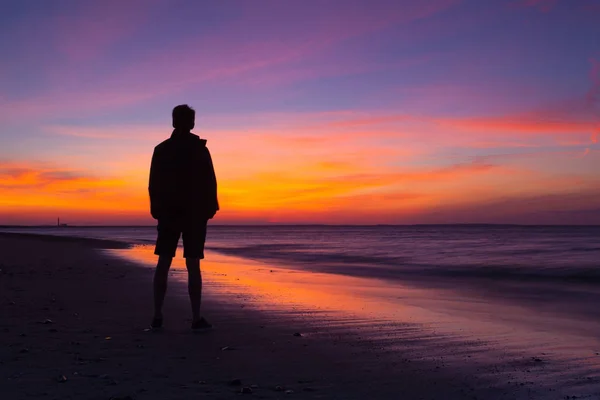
(194, 286)
(160, 284)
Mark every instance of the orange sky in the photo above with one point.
(301, 179)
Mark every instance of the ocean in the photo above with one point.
(537, 266)
(453, 252)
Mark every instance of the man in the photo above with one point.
(183, 197)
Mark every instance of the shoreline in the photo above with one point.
(92, 242)
(90, 296)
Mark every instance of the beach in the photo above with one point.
(75, 315)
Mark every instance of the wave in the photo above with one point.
(402, 268)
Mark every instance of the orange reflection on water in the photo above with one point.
(265, 285)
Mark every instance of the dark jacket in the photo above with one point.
(183, 185)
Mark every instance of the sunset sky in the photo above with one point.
(329, 111)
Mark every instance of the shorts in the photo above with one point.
(194, 236)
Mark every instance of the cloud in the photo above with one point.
(518, 124)
(111, 132)
(296, 53)
(414, 134)
(74, 32)
(360, 199)
(577, 205)
(31, 176)
(26, 186)
(325, 66)
(91, 28)
(315, 186)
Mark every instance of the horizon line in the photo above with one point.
(309, 225)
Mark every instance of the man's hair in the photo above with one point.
(184, 117)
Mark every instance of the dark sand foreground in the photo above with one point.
(72, 326)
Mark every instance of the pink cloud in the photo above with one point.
(518, 124)
(85, 36)
(585, 107)
(411, 134)
(112, 132)
(332, 22)
(259, 57)
(67, 42)
(91, 28)
(405, 135)
(66, 102)
(321, 68)
(526, 123)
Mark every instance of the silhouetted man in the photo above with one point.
(183, 197)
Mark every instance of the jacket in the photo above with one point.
(182, 184)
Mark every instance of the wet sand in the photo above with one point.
(75, 313)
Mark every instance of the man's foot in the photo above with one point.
(157, 323)
(201, 325)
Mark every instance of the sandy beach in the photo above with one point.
(74, 326)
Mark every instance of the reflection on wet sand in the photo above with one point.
(268, 285)
(501, 340)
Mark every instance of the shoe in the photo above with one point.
(201, 325)
(157, 323)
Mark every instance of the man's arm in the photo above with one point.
(213, 200)
(153, 186)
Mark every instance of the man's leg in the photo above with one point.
(166, 247)
(194, 286)
(193, 251)
(160, 284)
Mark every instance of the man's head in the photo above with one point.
(184, 117)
